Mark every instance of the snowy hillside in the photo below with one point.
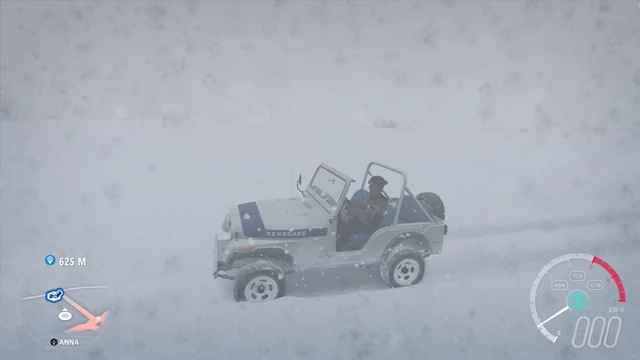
(128, 129)
(144, 201)
(537, 65)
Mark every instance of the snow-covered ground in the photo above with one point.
(237, 91)
(144, 200)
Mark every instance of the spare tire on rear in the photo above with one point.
(435, 202)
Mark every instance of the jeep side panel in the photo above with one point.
(316, 251)
(432, 232)
(428, 235)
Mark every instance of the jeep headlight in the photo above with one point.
(226, 223)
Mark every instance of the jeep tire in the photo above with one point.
(258, 281)
(404, 266)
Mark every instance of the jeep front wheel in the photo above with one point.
(403, 267)
(259, 281)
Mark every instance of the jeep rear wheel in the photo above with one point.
(259, 281)
(403, 267)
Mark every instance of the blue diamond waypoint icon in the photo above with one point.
(50, 260)
(54, 296)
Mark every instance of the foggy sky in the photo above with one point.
(473, 64)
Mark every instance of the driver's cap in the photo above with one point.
(378, 181)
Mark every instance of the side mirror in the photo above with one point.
(298, 183)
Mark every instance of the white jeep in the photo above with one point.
(270, 239)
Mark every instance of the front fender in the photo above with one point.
(243, 256)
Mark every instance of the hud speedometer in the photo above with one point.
(578, 298)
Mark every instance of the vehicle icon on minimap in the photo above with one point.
(57, 295)
(54, 296)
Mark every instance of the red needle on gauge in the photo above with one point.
(553, 316)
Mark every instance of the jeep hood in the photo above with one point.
(277, 218)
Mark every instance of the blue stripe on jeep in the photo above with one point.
(253, 225)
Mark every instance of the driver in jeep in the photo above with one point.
(365, 218)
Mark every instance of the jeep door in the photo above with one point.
(314, 251)
(325, 194)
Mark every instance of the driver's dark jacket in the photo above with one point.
(376, 209)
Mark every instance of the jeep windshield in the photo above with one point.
(326, 188)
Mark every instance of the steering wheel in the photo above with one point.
(344, 211)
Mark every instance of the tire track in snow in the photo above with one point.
(546, 225)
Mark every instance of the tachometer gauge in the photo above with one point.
(578, 298)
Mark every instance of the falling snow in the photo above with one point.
(522, 116)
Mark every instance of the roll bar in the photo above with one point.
(402, 191)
